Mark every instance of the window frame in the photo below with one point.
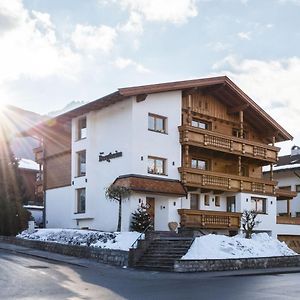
(79, 163)
(164, 165)
(264, 205)
(155, 118)
(79, 208)
(217, 201)
(80, 135)
(297, 188)
(206, 161)
(200, 121)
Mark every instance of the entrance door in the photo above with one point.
(150, 205)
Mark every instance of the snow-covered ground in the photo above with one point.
(99, 239)
(221, 247)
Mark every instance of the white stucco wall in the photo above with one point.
(59, 208)
(148, 143)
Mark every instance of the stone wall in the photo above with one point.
(236, 264)
(108, 256)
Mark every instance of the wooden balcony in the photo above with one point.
(190, 218)
(225, 182)
(283, 194)
(39, 154)
(288, 220)
(198, 137)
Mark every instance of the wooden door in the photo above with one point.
(150, 207)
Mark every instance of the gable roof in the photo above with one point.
(220, 87)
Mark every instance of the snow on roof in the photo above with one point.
(283, 167)
(33, 207)
(25, 163)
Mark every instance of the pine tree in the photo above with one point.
(141, 220)
(13, 217)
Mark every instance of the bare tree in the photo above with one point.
(249, 222)
(117, 193)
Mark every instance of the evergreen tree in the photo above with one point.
(141, 220)
(13, 217)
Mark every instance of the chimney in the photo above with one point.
(295, 150)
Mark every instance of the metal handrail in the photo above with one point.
(139, 237)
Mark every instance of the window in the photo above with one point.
(194, 201)
(80, 200)
(82, 128)
(231, 204)
(201, 124)
(206, 200)
(297, 187)
(156, 165)
(245, 170)
(288, 188)
(258, 204)
(157, 123)
(199, 164)
(81, 163)
(217, 200)
(236, 133)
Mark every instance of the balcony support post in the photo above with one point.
(288, 207)
(186, 155)
(240, 165)
(189, 112)
(241, 124)
(271, 172)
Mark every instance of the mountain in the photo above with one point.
(16, 120)
(69, 106)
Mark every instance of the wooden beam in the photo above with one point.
(241, 124)
(236, 109)
(190, 91)
(141, 97)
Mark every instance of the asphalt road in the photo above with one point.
(26, 277)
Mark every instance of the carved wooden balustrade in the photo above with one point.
(190, 218)
(193, 136)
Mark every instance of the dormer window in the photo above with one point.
(81, 128)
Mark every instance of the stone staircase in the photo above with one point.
(162, 253)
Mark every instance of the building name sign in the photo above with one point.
(109, 156)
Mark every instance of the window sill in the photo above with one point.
(157, 131)
(82, 139)
(80, 176)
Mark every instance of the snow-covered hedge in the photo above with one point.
(108, 240)
(223, 247)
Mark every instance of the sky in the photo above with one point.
(53, 52)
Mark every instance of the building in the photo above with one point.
(193, 151)
(287, 173)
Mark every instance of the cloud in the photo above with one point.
(134, 24)
(29, 45)
(92, 38)
(218, 46)
(273, 84)
(123, 63)
(173, 11)
(244, 35)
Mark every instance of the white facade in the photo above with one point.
(123, 127)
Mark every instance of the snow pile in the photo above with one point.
(223, 247)
(99, 239)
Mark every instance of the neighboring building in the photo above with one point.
(287, 173)
(193, 151)
(29, 171)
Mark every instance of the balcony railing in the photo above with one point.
(288, 220)
(225, 182)
(216, 141)
(190, 218)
